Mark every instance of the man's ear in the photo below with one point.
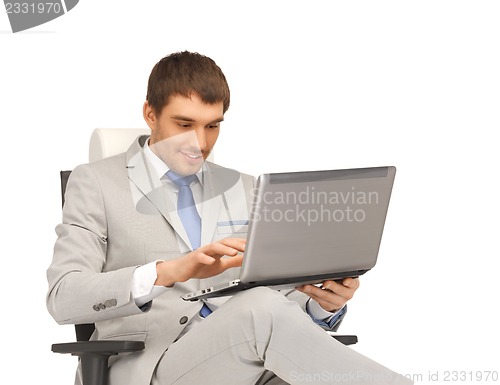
(149, 115)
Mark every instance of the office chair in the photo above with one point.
(94, 355)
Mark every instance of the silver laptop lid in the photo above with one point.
(310, 223)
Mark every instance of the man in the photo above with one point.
(145, 227)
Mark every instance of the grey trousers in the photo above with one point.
(260, 332)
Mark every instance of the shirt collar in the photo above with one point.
(160, 168)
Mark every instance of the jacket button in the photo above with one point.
(110, 303)
(183, 320)
(96, 308)
(102, 306)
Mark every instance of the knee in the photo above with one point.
(260, 295)
(262, 300)
(257, 311)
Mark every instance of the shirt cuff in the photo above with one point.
(143, 287)
(322, 317)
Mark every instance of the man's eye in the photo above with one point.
(214, 125)
(184, 125)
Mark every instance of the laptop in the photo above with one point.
(309, 227)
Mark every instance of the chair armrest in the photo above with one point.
(344, 339)
(94, 356)
(98, 347)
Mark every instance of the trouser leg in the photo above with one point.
(260, 329)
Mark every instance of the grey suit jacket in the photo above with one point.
(115, 219)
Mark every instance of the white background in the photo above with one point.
(315, 85)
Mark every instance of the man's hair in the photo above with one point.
(185, 73)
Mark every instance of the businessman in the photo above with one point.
(142, 228)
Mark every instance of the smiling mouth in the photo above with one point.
(191, 155)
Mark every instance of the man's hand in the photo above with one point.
(332, 295)
(203, 262)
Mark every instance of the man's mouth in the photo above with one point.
(191, 155)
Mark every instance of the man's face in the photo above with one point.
(185, 131)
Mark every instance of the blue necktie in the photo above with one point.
(189, 216)
(186, 208)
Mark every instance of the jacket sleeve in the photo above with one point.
(79, 291)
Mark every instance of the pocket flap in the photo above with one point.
(230, 227)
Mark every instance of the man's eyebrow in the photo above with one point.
(218, 120)
(188, 119)
(184, 118)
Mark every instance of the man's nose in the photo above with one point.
(201, 138)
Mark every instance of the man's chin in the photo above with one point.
(187, 169)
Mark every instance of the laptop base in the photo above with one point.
(235, 286)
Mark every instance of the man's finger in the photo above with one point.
(328, 301)
(205, 259)
(353, 283)
(228, 263)
(338, 288)
(218, 249)
(235, 243)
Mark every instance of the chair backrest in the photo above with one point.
(106, 142)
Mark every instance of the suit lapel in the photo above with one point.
(153, 192)
(211, 206)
